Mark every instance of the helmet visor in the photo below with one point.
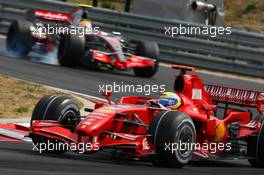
(168, 101)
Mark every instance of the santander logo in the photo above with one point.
(52, 15)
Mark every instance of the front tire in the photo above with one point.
(57, 108)
(149, 50)
(172, 128)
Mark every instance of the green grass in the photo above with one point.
(110, 4)
(250, 8)
(247, 14)
(22, 110)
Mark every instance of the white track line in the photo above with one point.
(77, 93)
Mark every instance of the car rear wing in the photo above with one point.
(234, 95)
(53, 16)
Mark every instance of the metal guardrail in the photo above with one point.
(241, 52)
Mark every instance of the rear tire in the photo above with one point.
(258, 162)
(57, 108)
(149, 50)
(172, 127)
(71, 50)
(19, 40)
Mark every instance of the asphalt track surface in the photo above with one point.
(18, 158)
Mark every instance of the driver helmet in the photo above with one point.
(170, 100)
(85, 24)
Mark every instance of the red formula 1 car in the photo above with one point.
(213, 122)
(81, 44)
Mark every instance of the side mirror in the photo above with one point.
(260, 103)
(260, 108)
(261, 97)
(107, 94)
(209, 107)
(98, 105)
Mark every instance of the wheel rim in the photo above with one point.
(185, 140)
(68, 118)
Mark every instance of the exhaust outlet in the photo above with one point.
(199, 5)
